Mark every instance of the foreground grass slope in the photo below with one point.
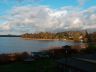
(42, 65)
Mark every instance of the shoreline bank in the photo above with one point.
(49, 39)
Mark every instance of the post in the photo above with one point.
(67, 53)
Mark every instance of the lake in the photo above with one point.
(17, 44)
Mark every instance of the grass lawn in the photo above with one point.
(43, 65)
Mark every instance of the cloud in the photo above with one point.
(42, 18)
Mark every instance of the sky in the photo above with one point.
(31, 16)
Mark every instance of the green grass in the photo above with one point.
(45, 65)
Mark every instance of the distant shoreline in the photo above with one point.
(10, 35)
(48, 39)
(38, 39)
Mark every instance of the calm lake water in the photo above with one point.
(17, 44)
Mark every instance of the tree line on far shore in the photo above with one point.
(70, 35)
